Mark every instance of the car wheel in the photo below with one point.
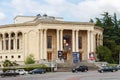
(113, 70)
(33, 73)
(101, 71)
(86, 70)
(76, 71)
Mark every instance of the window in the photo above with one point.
(18, 44)
(49, 41)
(12, 43)
(19, 40)
(12, 56)
(80, 42)
(7, 44)
(19, 56)
(2, 45)
(6, 57)
(0, 57)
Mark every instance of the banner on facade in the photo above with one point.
(76, 57)
(60, 53)
(91, 56)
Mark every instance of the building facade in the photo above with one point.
(48, 38)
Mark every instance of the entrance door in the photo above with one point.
(80, 57)
(49, 56)
(64, 55)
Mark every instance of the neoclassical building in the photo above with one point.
(48, 38)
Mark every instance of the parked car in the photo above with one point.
(37, 71)
(9, 73)
(80, 68)
(107, 69)
(21, 71)
(118, 67)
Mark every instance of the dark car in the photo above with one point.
(37, 71)
(9, 73)
(107, 69)
(80, 68)
(118, 67)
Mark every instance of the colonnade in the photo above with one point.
(59, 37)
(10, 41)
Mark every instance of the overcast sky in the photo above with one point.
(70, 10)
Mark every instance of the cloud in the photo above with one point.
(2, 16)
(70, 10)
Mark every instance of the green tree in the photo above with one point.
(91, 20)
(104, 54)
(30, 59)
(111, 34)
(7, 63)
(98, 22)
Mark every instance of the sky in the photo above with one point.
(70, 10)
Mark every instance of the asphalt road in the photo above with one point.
(90, 75)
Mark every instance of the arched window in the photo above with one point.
(19, 40)
(6, 41)
(12, 41)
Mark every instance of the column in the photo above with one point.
(41, 44)
(92, 41)
(25, 44)
(88, 42)
(14, 45)
(77, 41)
(61, 40)
(23, 35)
(4, 42)
(38, 44)
(45, 44)
(73, 40)
(58, 45)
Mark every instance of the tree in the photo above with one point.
(104, 54)
(7, 63)
(30, 59)
(111, 34)
(91, 20)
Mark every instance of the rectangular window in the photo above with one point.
(49, 41)
(2, 45)
(80, 42)
(18, 44)
(7, 44)
(12, 43)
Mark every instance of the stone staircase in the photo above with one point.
(67, 66)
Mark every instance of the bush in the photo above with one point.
(31, 67)
(30, 59)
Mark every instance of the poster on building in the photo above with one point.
(91, 56)
(76, 57)
(60, 53)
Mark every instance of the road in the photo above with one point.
(90, 75)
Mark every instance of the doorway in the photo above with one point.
(64, 56)
(49, 56)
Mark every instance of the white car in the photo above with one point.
(21, 71)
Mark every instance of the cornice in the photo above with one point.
(100, 28)
(37, 22)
